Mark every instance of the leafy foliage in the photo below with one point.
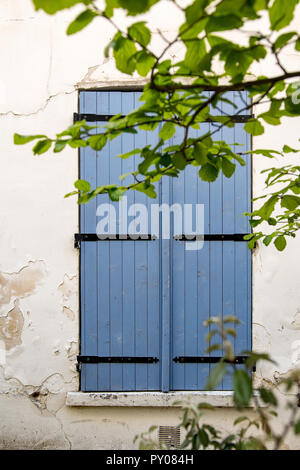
(183, 95)
(252, 433)
(214, 67)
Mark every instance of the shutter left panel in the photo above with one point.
(88, 262)
(120, 280)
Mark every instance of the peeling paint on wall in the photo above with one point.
(22, 283)
(40, 349)
(69, 313)
(295, 324)
(11, 327)
(68, 290)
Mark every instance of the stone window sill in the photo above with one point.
(149, 399)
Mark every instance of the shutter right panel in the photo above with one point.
(216, 280)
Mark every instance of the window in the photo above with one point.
(148, 299)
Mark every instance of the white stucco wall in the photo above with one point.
(41, 71)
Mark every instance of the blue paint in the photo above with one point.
(150, 298)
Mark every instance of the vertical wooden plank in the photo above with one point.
(242, 253)
(128, 265)
(178, 288)
(89, 252)
(242, 183)
(203, 275)
(116, 284)
(154, 288)
(229, 281)
(141, 282)
(216, 249)
(103, 250)
(191, 291)
(228, 202)
(165, 298)
(216, 284)
(83, 337)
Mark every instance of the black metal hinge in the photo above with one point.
(88, 117)
(210, 360)
(93, 237)
(115, 360)
(236, 237)
(92, 117)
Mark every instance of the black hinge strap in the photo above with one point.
(117, 359)
(208, 359)
(93, 237)
(237, 237)
(106, 117)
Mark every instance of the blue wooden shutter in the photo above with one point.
(216, 280)
(150, 298)
(120, 280)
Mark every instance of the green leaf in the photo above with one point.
(140, 33)
(52, 6)
(124, 156)
(290, 202)
(297, 427)
(82, 185)
(228, 167)
(251, 243)
(272, 221)
(203, 437)
(195, 10)
(191, 31)
(149, 190)
(24, 139)
(238, 62)
(268, 396)
(292, 105)
(208, 173)
(200, 153)
(267, 240)
(240, 419)
(42, 146)
(195, 52)
(179, 161)
(75, 143)
(266, 210)
(254, 357)
(223, 23)
(115, 194)
(281, 13)
(280, 243)
(270, 119)
(124, 54)
(216, 376)
(167, 131)
(59, 145)
(97, 142)
(254, 127)
(135, 7)
(72, 193)
(283, 39)
(288, 149)
(144, 63)
(242, 386)
(82, 20)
